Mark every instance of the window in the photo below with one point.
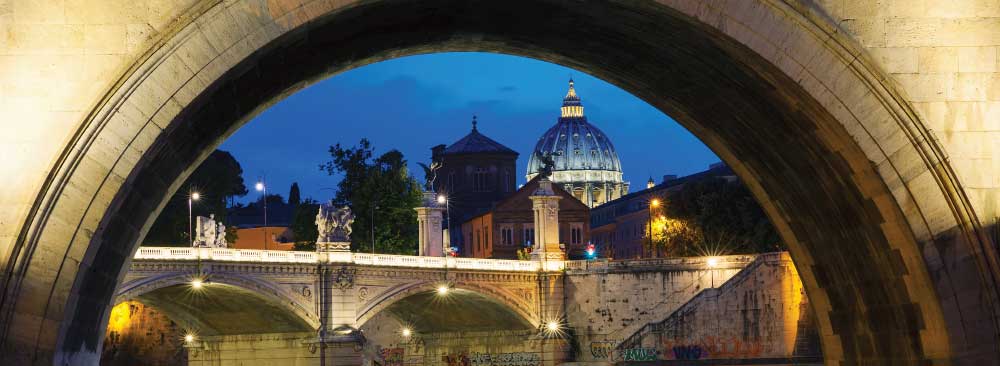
(507, 183)
(506, 235)
(576, 233)
(529, 234)
(480, 180)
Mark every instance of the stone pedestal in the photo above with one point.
(339, 251)
(431, 238)
(545, 204)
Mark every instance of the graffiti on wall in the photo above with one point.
(506, 359)
(493, 359)
(602, 350)
(639, 354)
(392, 356)
(711, 347)
(460, 359)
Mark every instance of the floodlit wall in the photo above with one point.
(761, 313)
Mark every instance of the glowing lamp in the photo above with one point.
(442, 290)
(552, 326)
(259, 186)
(197, 284)
(655, 203)
(406, 332)
(712, 262)
(442, 199)
(188, 338)
(195, 196)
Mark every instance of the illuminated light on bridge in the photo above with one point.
(197, 283)
(188, 338)
(406, 332)
(442, 290)
(712, 262)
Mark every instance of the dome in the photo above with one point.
(576, 145)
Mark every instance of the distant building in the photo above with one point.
(250, 230)
(585, 162)
(509, 226)
(279, 238)
(619, 229)
(474, 172)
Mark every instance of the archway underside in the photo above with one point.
(223, 310)
(864, 271)
(459, 311)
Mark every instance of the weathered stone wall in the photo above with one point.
(761, 313)
(140, 335)
(944, 56)
(611, 304)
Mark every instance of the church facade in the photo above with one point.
(584, 161)
(473, 173)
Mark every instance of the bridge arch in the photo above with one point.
(497, 300)
(220, 285)
(874, 214)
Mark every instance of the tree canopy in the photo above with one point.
(715, 216)
(217, 179)
(379, 189)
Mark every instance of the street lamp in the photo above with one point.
(194, 196)
(443, 200)
(652, 204)
(261, 187)
(712, 262)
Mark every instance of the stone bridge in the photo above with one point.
(221, 294)
(866, 129)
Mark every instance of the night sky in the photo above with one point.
(413, 103)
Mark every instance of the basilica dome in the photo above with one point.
(584, 159)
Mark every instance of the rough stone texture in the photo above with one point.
(825, 108)
(612, 304)
(761, 313)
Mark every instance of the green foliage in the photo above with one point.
(232, 234)
(217, 179)
(380, 189)
(727, 216)
(304, 225)
(294, 196)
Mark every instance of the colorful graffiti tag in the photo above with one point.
(506, 359)
(392, 356)
(461, 359)
(603, 350)
(639, 354)
(712, 347)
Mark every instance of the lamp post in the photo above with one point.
(374, 207)
(443, 200)
(652, 204)
(194, 196)
(261, 187)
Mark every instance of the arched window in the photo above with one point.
(480, 180)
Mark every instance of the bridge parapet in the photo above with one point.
(381, 260)
(659, 264)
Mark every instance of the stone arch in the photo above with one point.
(400, 292)
(888, 245)
(266, 290)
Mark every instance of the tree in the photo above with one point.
(217, 179)
(727, 216)
(293, 194)
(380, 189)
(304, 225)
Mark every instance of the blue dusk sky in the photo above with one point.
(413, 103)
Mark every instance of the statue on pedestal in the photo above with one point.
(334, 227)
(209, 233)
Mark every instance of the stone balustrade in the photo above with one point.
(383, 260)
